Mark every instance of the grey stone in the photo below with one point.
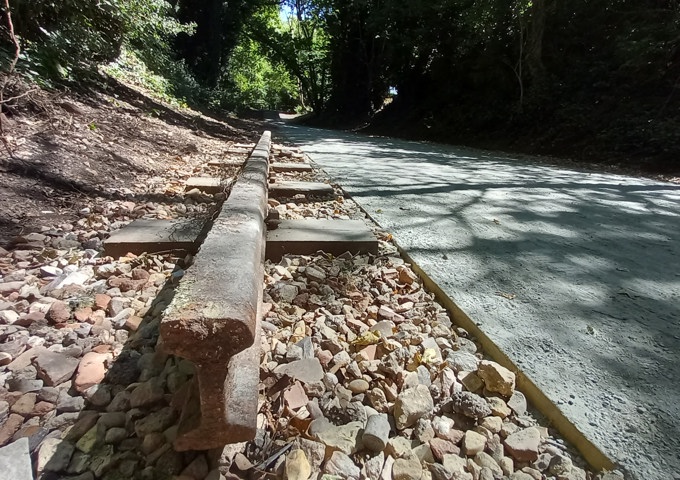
(54, 455)
(154, 236)
(462, 361)
(485, 460)
(4, 411)
(376, 433)
(79, 463)
(67, 403)
(290, 167)
(15, 461)
(146, 394)
(305, 370)
(286, 293)
(55, 368)
(307, 236)
(209, 185)
(345, 438)
(315, 452)
(292, 188)
(374, 466)
(155, 422)
(523, 445)
(315, 274)
(470, 405)
(440, 472)
(307, 347)
(115, 435)
(112, 419)
(120, 402)
(518, 403)
(341, 465)
(102, 460)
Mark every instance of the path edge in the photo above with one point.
(595, 457)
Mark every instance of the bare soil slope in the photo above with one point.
(62, 150)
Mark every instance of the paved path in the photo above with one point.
(592, 259)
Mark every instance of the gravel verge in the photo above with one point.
(363, 374)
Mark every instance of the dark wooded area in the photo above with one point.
(594, 80)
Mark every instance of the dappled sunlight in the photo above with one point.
(575, 275)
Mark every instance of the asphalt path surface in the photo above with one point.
(574, 275)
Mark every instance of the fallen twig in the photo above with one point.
(28, 92)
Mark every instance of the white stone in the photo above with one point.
(341, 465)
(411, 405)
(8, 316)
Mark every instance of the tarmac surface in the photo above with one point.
(574, 275)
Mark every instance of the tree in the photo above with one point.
(300, 44)
(257, 82)
(218, 28)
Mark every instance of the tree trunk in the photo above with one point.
(534, 48)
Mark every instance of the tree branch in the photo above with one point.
(12, 65)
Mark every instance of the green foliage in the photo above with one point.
(258, 83)
(174, 89)
(61, 40)
(218, 27)
(60, 37)
(586, 77)
(300, 44)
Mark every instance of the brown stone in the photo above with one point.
(473, 443)
(523, 445)
(59, 312)
(25, 404)
(10, 427)
(406, 275)
(83, 314)
(43, 408)
(441, 447)
(101, 301)
(295, 396)
(91, 371)
(133, 322)
(496, 378)
(139, 274)
(27, 319)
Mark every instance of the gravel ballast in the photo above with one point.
(363, 375)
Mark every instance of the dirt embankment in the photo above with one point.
(62, 150)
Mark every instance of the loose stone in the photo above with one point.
(523, 445)
(496, 378)
(407, 469)
(376, 433)
(473, 443)
(411, 405)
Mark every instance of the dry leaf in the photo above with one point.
(367, 338)
(509, 296)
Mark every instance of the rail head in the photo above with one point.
(213, 313)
